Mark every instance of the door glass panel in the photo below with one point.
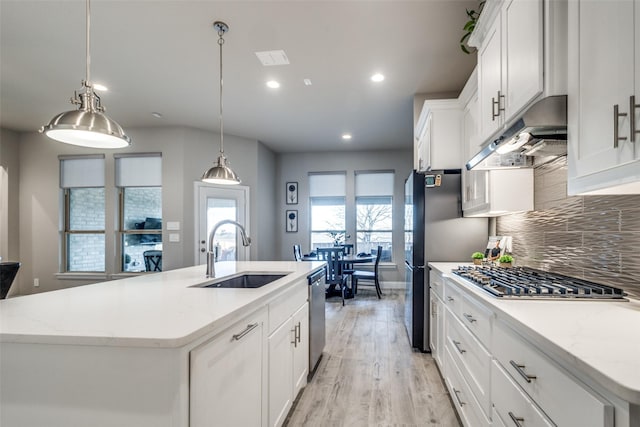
(217, 210)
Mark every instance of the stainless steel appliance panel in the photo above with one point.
(316, 319)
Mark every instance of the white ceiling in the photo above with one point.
(163, 56)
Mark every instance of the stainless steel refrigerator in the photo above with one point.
(434, 231)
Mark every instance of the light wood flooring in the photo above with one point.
(368, 375)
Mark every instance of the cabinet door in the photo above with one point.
(300, 349)
(602, 36)
(226, 377)
(490, 81)
(280, 372)
(522, 53)
(424, 147)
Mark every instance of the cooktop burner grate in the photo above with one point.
(524, 282)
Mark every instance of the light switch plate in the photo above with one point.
(174, 237)
(173, 225)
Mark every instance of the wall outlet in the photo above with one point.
(173, 225)
(174, 237)
(36, 282)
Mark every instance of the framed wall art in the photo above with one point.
(292, 193)
(291, 224)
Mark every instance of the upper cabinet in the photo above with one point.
(521, 48)
(604, 97)
(437, 140)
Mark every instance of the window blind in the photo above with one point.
(81, 172)
(142, 170)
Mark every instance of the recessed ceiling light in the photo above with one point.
(273, 84)
(307, 82)
(101, 88)
(377, 77)
(156, 115)
(346, 136)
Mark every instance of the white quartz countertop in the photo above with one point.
(153, 310)
(598, 338)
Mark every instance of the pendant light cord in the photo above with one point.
(220, 43)
(88, 42)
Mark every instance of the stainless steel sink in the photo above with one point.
(244, 281)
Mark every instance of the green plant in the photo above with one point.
(506, 258)
(477, 255)
(470, 25)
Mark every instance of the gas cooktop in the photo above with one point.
(524, 282)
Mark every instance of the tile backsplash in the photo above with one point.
(592, 237)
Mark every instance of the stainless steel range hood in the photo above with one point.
(540, 131)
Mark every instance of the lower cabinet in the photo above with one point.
(227, 375)
(497, 377)
(288, 355)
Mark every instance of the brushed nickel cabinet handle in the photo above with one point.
(455, 393)
(469, 317)
(494, 103)
(248, 329)
(632, 118)
(457, 344)
(616, 117)
(516, 420)
(520, 369)
(500, 98)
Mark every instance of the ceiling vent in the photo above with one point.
(272, 57)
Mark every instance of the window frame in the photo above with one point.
(357, 197)
(342, 196)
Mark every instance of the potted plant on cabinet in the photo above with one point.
(505, 261)
(477, 258)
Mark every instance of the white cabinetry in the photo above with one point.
(489, 192)
(437, 136)
(227, 375)
(436, 325)
(510, 60)
(288, 344)
(604, 93)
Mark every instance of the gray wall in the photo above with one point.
(593, 237)
(9, 196)
(186, 153)
(296, 166)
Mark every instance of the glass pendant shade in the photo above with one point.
(221, 173)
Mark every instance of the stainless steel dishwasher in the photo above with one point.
(316, 319)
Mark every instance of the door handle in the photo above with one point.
(616, 117)
(632, 118)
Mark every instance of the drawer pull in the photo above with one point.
(455, 393)
(469, 317)
(520, 369)
(516, 420)
(632, 117)
(457, 344)
(616, 117)
(248, 329)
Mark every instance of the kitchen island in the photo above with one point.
(129, 352)
(562, 362)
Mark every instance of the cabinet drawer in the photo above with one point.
(477, 318)
(463, 399)
(436, 283)
(563, 399)
(472, 359)
(452, 297)
(511, 405)
(286, 304)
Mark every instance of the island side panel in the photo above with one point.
(66, 385)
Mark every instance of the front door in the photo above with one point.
(215, 203)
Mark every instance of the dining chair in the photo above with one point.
(297, 253)
(152, 260)
(358, 275)
(333, 271)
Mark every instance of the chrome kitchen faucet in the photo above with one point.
(211, 256)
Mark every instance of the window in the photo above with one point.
(374, 212)
(82, 182)
(327, 203)
(139, 182)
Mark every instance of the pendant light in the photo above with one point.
(221, 173)
(87, 126)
